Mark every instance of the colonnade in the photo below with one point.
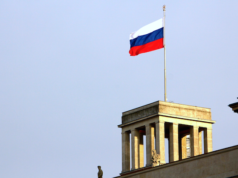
(155, 139)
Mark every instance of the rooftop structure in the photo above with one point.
(160, 120)
(189, 133)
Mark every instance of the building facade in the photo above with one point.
(189, 133)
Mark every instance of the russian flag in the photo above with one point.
(147, 38)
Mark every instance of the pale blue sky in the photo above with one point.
(66, 76)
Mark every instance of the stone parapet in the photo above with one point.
(161, 107)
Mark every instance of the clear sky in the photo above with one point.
(66, 76)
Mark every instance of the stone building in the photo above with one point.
(189, 133)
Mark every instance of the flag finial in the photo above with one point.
(163, 7)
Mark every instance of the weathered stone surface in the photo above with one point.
(194, 141)
(160, 145)
(155, 158)
(173, 142)
(140, 114)
(218, 164)
(125, 151)
(158, 107)
(149, 143)
(158, 121)
(183, 147)
(135, 149)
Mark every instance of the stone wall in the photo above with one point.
(217, 164)
(161, 107)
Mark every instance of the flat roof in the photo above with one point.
(154, 104)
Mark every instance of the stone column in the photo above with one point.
(194, 141)
(125, 151)
(135, 149)
(182, 147)
(173, 142)
(141, 150)
(149, 143)
(207, 140)
(159, 127)
(200, 141)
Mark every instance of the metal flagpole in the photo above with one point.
(165, 93)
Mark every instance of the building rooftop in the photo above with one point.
(166, 108)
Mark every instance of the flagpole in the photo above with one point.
(165, 93)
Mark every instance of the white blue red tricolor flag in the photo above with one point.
(147, 38)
